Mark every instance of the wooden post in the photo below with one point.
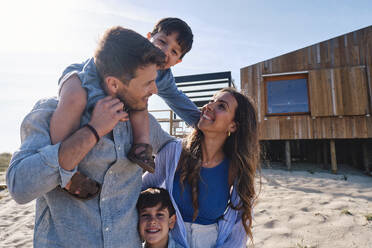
(325, 154)
(333, 156)
(365, 158)
(288, 154)
(171, 123)
(354, 160)
(318, 149)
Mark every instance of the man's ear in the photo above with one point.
(172, 221)
(149, 36)
(112, 85)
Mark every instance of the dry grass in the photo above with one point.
(4, 161)
(368, 217)
(346, 212)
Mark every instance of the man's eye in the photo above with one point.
(162, 42)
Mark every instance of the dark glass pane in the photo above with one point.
(287, 96)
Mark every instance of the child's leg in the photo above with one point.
(141, 151)
(140, 126)
(66, 120)
(66, 117)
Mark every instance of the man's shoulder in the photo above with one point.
(46, 104)
(42, 110)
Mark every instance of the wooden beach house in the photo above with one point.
(314, 104)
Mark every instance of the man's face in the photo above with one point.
(170, 47)
(136, 93)
(154, 224)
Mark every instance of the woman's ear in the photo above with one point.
(233, 127)
(172, 221)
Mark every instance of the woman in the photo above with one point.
(210, 175)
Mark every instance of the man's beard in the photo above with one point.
(128, 107)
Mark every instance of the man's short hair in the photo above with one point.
(122, 51)
(169, 25)
(153, 196)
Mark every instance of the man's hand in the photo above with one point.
(106, 114)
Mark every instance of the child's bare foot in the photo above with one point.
(141, 154)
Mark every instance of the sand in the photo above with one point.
(305, 208)
(313, 209)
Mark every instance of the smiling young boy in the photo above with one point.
(80, 89)
(156, 217)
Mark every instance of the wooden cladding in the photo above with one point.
(340, 89)
(346, 50)
(305, 127)
(338, 92)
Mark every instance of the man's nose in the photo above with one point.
(154, 88)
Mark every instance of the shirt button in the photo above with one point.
(103, 199)
(106, 229)
(110, 172)
(118, 147)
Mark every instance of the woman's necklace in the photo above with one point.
(212, 162)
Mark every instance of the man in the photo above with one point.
(127, 64)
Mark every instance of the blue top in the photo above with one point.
(213, 194)
(167, 90)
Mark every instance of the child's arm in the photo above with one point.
(72, 102)
(178, 101)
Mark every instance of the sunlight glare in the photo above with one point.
(34, 26)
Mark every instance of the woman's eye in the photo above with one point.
(221, 106)
(162, 42)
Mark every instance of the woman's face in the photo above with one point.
(218, 115)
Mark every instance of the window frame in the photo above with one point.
(266, 79)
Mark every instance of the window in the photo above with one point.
(286, 94)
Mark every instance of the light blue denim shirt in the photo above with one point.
(167, 90)
(231, 232)
(108, 220)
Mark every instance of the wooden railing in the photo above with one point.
(177, 127)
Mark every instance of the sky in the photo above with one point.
(39, 38)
